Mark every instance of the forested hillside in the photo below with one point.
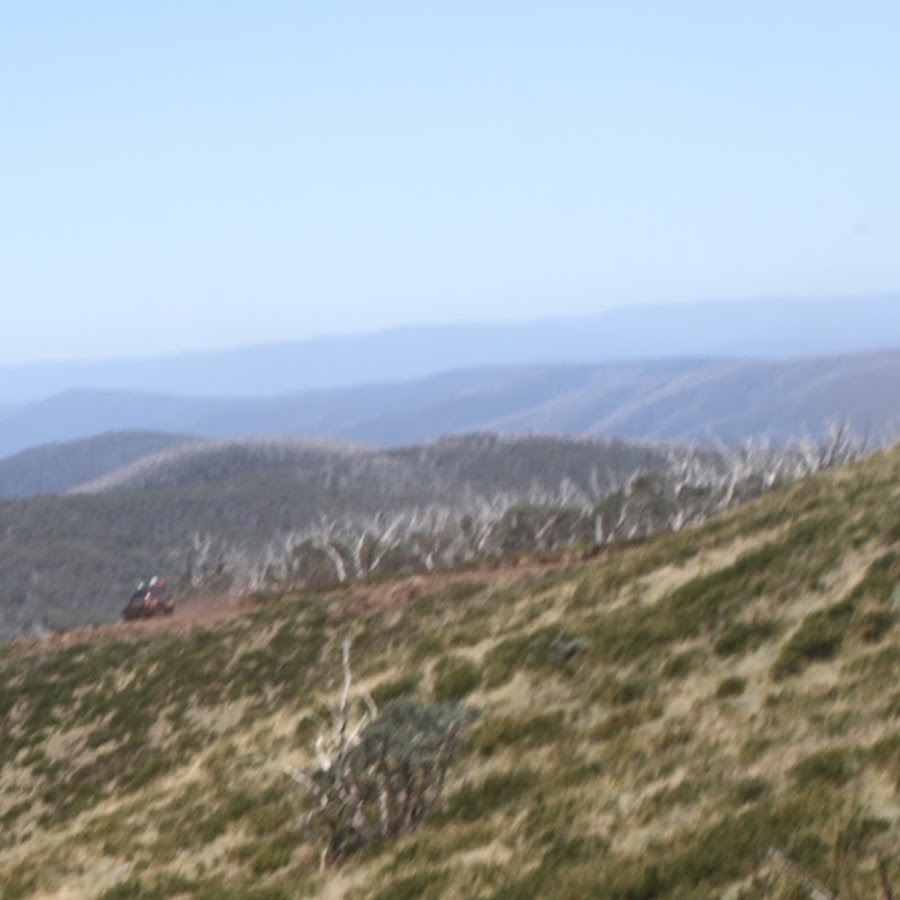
(232, 508)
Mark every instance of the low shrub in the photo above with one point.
(407, 749)
(749, 790)
(743, 637)
(834, 766)
(874, 625)
(405, 686)
(617, 723)
(733, 686)
(531, 731)
(680, 665)
(819, 637)
(553, 648)
(455, 677)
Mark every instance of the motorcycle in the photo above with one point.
(147, 604)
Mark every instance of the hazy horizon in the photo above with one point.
(138, 354)
(211, 175)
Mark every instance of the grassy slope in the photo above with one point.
(650, 725)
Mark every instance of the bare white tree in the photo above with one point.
(695, 483)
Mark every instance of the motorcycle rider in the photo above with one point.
(156, 592)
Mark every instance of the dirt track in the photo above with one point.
(189, 615)
(360, 600)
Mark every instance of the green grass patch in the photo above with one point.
(474, 801)
(554, 648)
(427, 884)
(733, 686)
(405, 686)
(495, 734)
(455, 677)
(750, 790)
(744, 637)
(834, 767)
(819, 636)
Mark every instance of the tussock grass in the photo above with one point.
(651, 724)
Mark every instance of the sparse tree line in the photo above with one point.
(597, 511)
(257, 514)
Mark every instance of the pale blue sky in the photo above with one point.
(205, 173)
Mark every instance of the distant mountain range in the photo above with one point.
(667, 400)
(760, 329)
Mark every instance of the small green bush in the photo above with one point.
(616, 723)
(405, 686)
(733, 686)
(833, 767)
(392, 779)
(631, 690)
(743, 637)
(749, 790)
(455, 677)
(531, 731)
(875, 624)
(886, 755)
(680, 665)
(819, 637)
(552, 648)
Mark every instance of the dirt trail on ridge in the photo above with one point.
(189, 615)
(358, 600)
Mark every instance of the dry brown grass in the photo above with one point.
(592, 772)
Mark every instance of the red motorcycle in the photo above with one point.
(149, 602)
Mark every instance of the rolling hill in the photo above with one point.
(671, 400)
(711, 714)
(55, 468)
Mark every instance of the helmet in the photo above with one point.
(153, 581)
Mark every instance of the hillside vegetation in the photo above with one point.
(713, 713)
(231, 506)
